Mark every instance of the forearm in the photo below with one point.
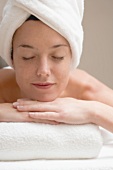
(75, 112)
(9, 114)
(4, 112)
(103, 116)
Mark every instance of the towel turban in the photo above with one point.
(64, 16)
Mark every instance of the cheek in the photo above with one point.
(22, 70)
(23, 75)
(63, 75)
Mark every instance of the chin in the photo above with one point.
(43, 98)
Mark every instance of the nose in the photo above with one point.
(43, 69)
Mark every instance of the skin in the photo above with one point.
(46, 62)
(43, 87)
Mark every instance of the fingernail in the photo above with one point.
(15, 104)
(20, 107)
(19, 100)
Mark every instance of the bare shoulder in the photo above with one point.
(6, 73)
(77, 83)
(83, 78)
(79, 76)
(87, 86)
(8, 85)
(7, 76)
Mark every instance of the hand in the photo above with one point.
(17, 115)
(10, 114)
(62, 110)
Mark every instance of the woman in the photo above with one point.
(54, 92)
(45, 86)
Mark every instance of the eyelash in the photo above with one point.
(27, 58)
(58, 58)
(54, 57)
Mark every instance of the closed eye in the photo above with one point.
(28, 58)
(58, 58)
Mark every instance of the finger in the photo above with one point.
(23, 99)
(24, 117)
(23, 103)
(46, 122)
(37, 107)
(53, 116)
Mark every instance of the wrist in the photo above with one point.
(98, 114)
(94, 112)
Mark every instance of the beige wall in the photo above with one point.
(97, 57)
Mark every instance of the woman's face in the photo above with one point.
(42, 61)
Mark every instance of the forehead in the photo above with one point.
(37, 31)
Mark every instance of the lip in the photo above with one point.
(43, 85)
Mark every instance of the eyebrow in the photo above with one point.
(31, 47)
(59, 45)
(27, 46)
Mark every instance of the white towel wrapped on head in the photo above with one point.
(27, 141)
(64, 16)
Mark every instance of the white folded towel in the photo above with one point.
(64, 16)
(27, 141)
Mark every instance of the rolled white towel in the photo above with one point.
(27, 141)
(64, 16)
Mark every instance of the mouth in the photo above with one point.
(43, 85)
